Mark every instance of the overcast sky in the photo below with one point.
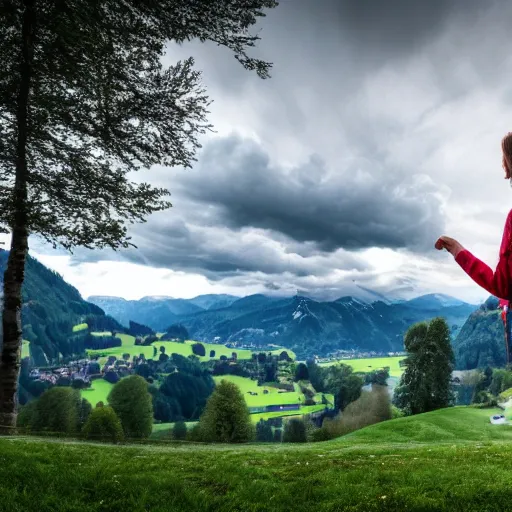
(379, 130)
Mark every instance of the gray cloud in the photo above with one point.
(375, 113)
(358, 206)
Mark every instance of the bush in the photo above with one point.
(301, 372)
(179, 431)
(264, 432)
(370, 408)
(56, 411)
(194, 434)
(294, 431)
(226, 418)
(212, 353)
(396, 412)
(278, 436)
(198, 349)
(132, 403)
(26, 416)
(103, 425)
(111, 376)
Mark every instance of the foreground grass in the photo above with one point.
(349, 474)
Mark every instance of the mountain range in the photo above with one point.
(305, 325)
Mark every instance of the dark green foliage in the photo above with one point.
(378, 377)
(132, 403)
(212, 353)
(176, 332)
(102, 323)
(111, 376)
(301, 372)
(179, 431)
(278, 436)
(101, 342)
(189, 391)
(94, 368)
(344, 384)
(480, 342)
(317, 376)
(294, 431)
(155, 352)
(425, 384)
(264, 432)
(103, 425)
(198, 349)
(84, 411)
(57, 411)
(26, 416)
(283, 356)
(226, 418)
(136, 329)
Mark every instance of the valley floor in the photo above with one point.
(447, 460)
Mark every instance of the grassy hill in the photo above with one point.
(447, 460)
(367, 365)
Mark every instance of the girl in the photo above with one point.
(499, 282)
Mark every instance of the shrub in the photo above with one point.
(111, 376)
(264, 432)
(26, 416)
(103, 425)
(212, 353)
(179, 431)
(194, 434)
(198, 349)
(370, 408)
(294, 431)
(56, 411)
(226, 418)
(301, 372)
(396, 412)
(278, 436)
(132, 403)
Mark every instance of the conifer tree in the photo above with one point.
(426, 382)
(226, 418)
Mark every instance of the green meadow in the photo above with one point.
(370, 364)
(98, 392)
(448, 460)
(184, 349)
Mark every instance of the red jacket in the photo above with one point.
(499, 282)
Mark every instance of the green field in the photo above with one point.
(450, 460)
(184, 349)
(80, 327)
(98, 392)
(370, 364)
(25, 349)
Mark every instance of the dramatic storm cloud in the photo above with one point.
(379, 130)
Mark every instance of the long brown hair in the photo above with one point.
(506, 146)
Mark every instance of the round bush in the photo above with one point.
(103, 425)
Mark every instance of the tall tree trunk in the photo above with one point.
(15, 271)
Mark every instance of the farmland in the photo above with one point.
(370, 364)
(451, 459)
(184, 349)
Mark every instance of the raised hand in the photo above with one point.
(450, 244)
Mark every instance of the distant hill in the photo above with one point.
(51, 307)
(300, 323)
(480, 342)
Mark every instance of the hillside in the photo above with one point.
(466, 469)
(481, 342)
(51, 307)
